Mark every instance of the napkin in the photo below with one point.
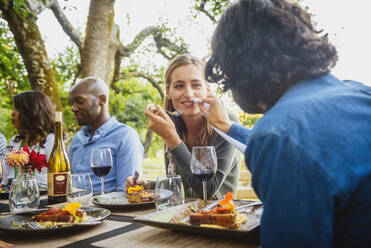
(241, 147)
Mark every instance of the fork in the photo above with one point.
(175, 113)
(136, 175)
(34, 225)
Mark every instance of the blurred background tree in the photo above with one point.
(134, 69)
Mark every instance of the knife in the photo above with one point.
(208, 207)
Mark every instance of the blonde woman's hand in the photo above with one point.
(162, 125)
(216, 114)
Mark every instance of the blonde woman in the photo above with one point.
(184, 82)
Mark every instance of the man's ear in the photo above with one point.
(102, 99)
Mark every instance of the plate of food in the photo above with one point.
(71, 216)
(134, 198)
(227, 217)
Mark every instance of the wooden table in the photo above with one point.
(118, 230)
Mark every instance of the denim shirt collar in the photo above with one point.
(99, 132)
(304, 85)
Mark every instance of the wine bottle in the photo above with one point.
(59, 166)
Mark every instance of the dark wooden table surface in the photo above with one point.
(118, 230)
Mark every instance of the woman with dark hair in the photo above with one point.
(309, 154)
(33, 117)
(184, 82)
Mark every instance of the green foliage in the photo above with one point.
(213, 8)
(129, 103)
(13, 74)
(65, 67)
(249, 120)
(13, 78)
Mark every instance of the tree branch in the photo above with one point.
(154, 82)
(126, 51)
(160, 41)
(66, 25)
(163, 42)
(203, 10)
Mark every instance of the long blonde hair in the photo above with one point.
(204, 136)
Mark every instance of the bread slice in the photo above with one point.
(225, 220)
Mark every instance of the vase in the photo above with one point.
(24, 193)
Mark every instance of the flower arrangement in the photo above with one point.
(27, 159)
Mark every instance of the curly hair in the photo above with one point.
(36, 116)
(263, 47)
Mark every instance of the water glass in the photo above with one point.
(23, 195)
(169, 192)
(79, 188)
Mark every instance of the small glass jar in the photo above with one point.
(24, 193)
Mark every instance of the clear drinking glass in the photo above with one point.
(79, 188)
(204, 165)
(169, 192)
(101, 163)
(23, 195)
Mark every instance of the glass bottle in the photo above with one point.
(59, 167)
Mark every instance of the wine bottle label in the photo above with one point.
(58, 116)
(57, 183)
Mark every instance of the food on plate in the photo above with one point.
(137, 194)
(71, 214)
(222, 215)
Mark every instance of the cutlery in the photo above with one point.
(210, 206)
(175, 113)
(136, 175)
(35, 226)
(251, 204)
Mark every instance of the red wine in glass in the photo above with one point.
(204, 176)
(203, 165)
(101, 163)
(101, 171)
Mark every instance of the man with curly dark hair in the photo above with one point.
(310, 155)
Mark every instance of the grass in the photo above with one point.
(153, 167)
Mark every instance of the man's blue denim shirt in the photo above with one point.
(310, 158)
(126, 148)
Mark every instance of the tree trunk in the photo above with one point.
(31, 47)
(147, 143)
(98, 38)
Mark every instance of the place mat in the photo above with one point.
(89, 241)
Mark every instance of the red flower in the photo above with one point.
(37, 160)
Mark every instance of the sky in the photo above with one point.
(346, 22)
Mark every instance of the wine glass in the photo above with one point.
(169, 192)
(101, 163)
(79, 188)
(203, 165)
